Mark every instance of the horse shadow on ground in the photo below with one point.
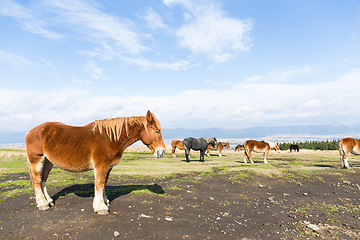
(324, 165)
(112, 192)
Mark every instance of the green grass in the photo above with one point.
(285, 166)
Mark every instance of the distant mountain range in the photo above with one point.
(282, 134)
(299, 131)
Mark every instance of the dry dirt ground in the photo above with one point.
(194, 206)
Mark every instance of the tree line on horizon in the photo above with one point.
(312, 145)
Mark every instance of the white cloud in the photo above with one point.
(254, 78)
(149, 65)
(10, 57)
(102, 28)
(27, 18)
(250, 104)
(278, 76)
(153, 19)
(212, 32)
(292, 72)
(96, 71)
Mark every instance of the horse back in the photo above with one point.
(253, 145)
(178, 144)
(195, 144)
(67, 147)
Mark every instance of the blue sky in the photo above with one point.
(195, 64)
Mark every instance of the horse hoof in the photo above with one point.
(44, 207)
(103, 212)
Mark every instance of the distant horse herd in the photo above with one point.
(99, 146)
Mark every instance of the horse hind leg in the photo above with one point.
(36, 167)
(45, 174)
(344, 161)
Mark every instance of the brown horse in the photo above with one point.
(259, 147)
(239, 147)
(98, 146)
(176, 144)
(347, 146)
(220, 147)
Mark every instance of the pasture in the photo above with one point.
(168, 198)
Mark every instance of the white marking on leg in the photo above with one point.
(41, 201)
(98, 203)
(346, 164)
(46, 194)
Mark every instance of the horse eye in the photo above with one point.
(157, 131)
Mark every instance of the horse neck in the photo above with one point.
(132, 136)
(129, 135)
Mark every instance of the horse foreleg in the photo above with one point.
(99, 205)
(208, 151)
(265, 157)
(187, 155)
(202, 154)
(220, 150)
(173, 151)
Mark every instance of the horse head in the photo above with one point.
(277, 147)
(151, 136)
(213, 142)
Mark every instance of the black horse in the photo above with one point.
(294, 147)
(198, 144)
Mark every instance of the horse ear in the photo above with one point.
(149, 116)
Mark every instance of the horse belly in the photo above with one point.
(258, 150)
(74, 163)
(356, 150)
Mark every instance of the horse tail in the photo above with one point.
(246, 149)
(341, 149)
(30, 172)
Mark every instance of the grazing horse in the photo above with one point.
(294, 147)
(176, 144)
(198, 144)
(220, 147)
(98, 146)
(259, 147)
(239, 147)
(347, 146)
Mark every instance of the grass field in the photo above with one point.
(139, 162)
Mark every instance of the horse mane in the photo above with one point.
(114, 126)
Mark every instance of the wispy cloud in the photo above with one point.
(94, 69)
(210, 31)
(11, 57)
(153, 19)
(104, 29)
(27, 18)
(279, 76)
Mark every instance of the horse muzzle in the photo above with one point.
(160, 152)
